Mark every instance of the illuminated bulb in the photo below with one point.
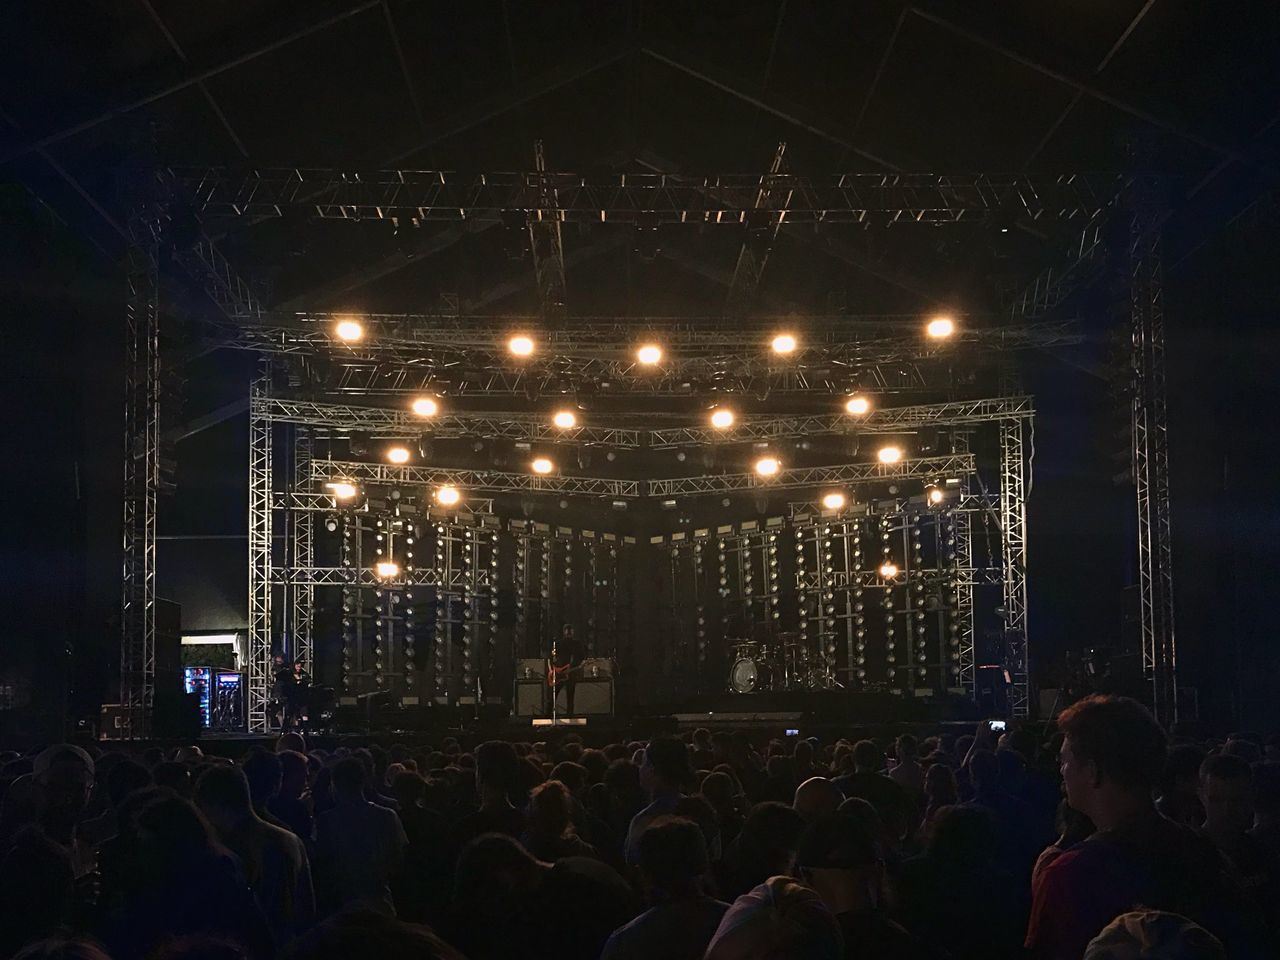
(565, 420)
(386, 569)
(768, 466)
(858, 406)
(542, 465)
(888, 570)
(889, 454)
(939, 328)
(398, 455)
(934, 495)
(784, 343)
(425, 407)
(649, 354)
(349, 330)
(448, 496)
(833, 501)
(722, 419)
(520, 346)
(341, 489)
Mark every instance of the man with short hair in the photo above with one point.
(274, 860)
(359, 845)
(497, 782)
(1226, 793)
(907, 772)
(681, 918)
(665, 774)
(1112, 757)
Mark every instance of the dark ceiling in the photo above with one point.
(90, 92)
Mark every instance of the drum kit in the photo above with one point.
(784, 664)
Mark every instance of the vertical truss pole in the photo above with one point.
(963, 622)
(1151, 454)
(1013, 540)
(141, 483)
(545, 242)
(260, 436)
(301, 554)
(749, 269)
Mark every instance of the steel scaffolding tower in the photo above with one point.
(1013, 539)
(260, 566)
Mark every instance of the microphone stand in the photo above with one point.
(555, 719)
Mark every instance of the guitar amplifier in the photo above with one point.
(592, 697)
(594, 667)
(527, 668)
(530, 698)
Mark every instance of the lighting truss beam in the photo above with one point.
(485, 480)
(930, 468)
(545, 241)
(758, 243)
(881, 198)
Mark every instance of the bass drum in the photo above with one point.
(748, 675)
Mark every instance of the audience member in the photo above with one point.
(1152, 935)
(816, 797)
(664, 775)
(498, 782)
(907, 772)
(766, 847)
(1226, 793)
(359, 845)
(778, 920)
(549, 833)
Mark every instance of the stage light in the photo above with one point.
(448, 496)
(768, 466)
(542, 465)
(889, 454)
(834, 501)
(520, 346)
(934, 495)
(349, 330)
(565, 419)
(331, 525)
(398, 454)
(939, 328)
(722, 418)
(888, 570)
(386, 569)
(341, 490)
(857, 406)
(784, 343)
(425, 407)
(649, 354)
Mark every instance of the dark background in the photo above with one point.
(90, 93)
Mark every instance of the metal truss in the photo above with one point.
(932, 468)
(1059, 280)
(1013, 539)
(1151, 455)
(965, 653)
(886, 420)
(759, 241)
(400, 423)
(485, 480)
(300, 524)
(545, 241)
(882, 198)
(141, 482)
(260, 563)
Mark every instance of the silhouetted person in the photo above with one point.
(549, 832)
(373, 935)
(664, 775)
(359, 845)
(816, 797)
(1226, 794)
(766, 847)
(778, 920)
(498, 782)
(288, 805)
(1152, 934)
(907, 772)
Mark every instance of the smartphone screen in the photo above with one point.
(997, 726)
(793, 733)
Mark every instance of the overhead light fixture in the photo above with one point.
(833, 501)
(784, 343)
(448, 496)
(398, 455)
(939, 328)
(349, 331)
(768, 466)
(933, 493)
(542, 466)
(722, 418)
(857, 405)
(386, 569)
(425, 407)
(649, 354)
(888, 570)
(889, 454)
(341, 489)
(520, 346)
(565, 419)
(669, 504)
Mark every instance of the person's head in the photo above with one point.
(984, 770)
(1112, 756)
(222, 794)
(64, 776)
(173, 839)
(803, 754)
(549, 809)
(572, 775)
(778, 920)
(867, 757)
(816, 797)
(409, 789)
(495, 876)
(965, 835)
(297, 668)
(498, 771)
(769, 838)
(348, 778)
(840, 857)
(701, 739)
(1013, 770)
(293, 773)
(940, 784)
(263, 772)
(124, 777)
(291, 741)
(719, 789)
(62, 948)
(1246, 749)
(673, 857)
(1182, 770)
(666, 766)
(906, 747)
(278, 660)
(1226, 792)
(1152, 934)
(366, 933)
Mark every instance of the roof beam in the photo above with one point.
(191, 80)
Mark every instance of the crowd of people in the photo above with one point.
(1094, 838)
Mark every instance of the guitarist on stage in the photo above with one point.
(566, 661)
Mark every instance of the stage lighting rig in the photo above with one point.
(940, 328)
(833, 501)
(783, 344)
(398, 455)
(857, 406)
(889, 454)
(722, 418)
(349, 331)
(341, 490)
(520, 346)
(542, 466)
(768, 467)
(649, 354)
(425, 407)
